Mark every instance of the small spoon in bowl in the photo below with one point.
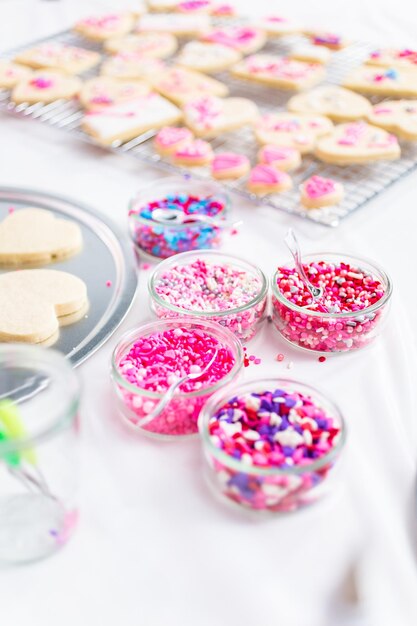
(294, 247)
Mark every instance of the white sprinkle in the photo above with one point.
(290, 365)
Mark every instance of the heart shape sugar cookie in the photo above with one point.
(37, 236)
(180, 85)
(357, 142)
(100, 28)
(46, 86)
(382, 81)
(58, 56)
(396, 116)
(207, 57)
(154, 45)
(280, 72)
(103, 91)
(392, 57)
(318, 191)
(34, 303)
(208, 116)
(11, 73)
(336, 102)
(291, 130)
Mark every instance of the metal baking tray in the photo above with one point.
(105, 263)
(361, 182)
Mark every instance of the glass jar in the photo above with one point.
(179, 417)
(161, 240)
(39, 399)
(269, 488)
(244, 321)
(331, 332)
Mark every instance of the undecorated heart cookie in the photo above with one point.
(396, 116)
(36, 236)
(132, 66)
(393, 57)
(101, 27)
(336, 102)
(46, 86)
(209, 116)
(383, 81)
(34, 303)
(11, 73)
(357, 142)
(180, 85)
(58, 56)
(207, 57)
(103, 91)
(244, 39)
(291, 130)
(154, 45)
(280, 72)
(317, 192)
(121, 122)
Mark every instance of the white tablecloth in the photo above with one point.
(153, 547)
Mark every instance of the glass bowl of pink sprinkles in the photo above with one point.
(350, 313)
(149, 359)
(271, 445)
(211, 286)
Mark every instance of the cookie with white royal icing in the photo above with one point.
(357, 142)
(180, 85)
(280, 72)
(207, 57)
(396, 116)
(155, 45)
(209, 116)
(397, 82)
(292, 130)
(57, 56)
(46, 86)
(336, 102)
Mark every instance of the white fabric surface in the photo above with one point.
(153, 547)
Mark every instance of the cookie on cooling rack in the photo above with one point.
(336, 102)
(397, 82)
(280, 72)
(209, 116)
(57, 56)
(46, 86)
(396, 116)
(292, 130)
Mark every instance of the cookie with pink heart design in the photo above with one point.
(210, 116)
(280, 72)
(357, 142)
(101, 27)
(180, 85)
(58, 56)
(292, 130)
(229, 165)
(265, 179)
(393, 57)
(34, 303)
(281, 157)
(46, 86)
(171, 138)
(317, 192)
(396, 116)
(12, 73)
(193, 154)
(393, 81)
(244, 39)
(154, 45)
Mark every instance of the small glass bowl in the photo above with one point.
(331, 332)
(268, 489)
(158, 240)
(243, 321)
(179, 417)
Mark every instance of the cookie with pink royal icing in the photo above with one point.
(193, 153)
(101, 27)
(209, 116)
(227, 165)
(317, 192)
(46, 86)
(194, 6)
(171, 138)
(393, 57)
(396, 116)
(245, 39)
(223, 9)
(280, 72)
(104, 91)
(281, 157)
(279, 25)
(292, 130)
(397, 82)
(57, 56)
(357, 142)
(264, 179)
(11, 73)
(180, 85)
(155, 45)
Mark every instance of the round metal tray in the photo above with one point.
(106, 264)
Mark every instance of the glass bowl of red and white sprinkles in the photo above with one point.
(150, 359)
(174, 215)
(271, 445)
(348, 316)
(211, 286)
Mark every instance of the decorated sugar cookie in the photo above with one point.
(396, 116)
(207, 57)
(336, 102)
(383, 81)
(177, 24)
(292, 130)
(223, 9)
(101, 27)
(132, 66)
(278, 26)
(46, 86)
(194, 6)
(244, 39)
(393, 57)
(357, 142)
(209, 116)
(310, 54)
(121, 122)
(229, 165)
(264, 179)
(103, 91)
(58, 56)
(171, 138)
(31, 236)
(181, 85)
(11, 73)
(161, 6)
(155, 45)
(317, 192)
(280, 157)
(329, 40)
(194, 153)
(279, 72)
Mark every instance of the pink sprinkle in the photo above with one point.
(234, 231)
(280, 357)
(321, 359)
(146, 266)
(108, 283)
(11, 209)
(257, 361)
(252, 357)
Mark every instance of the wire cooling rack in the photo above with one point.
(361, 182)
